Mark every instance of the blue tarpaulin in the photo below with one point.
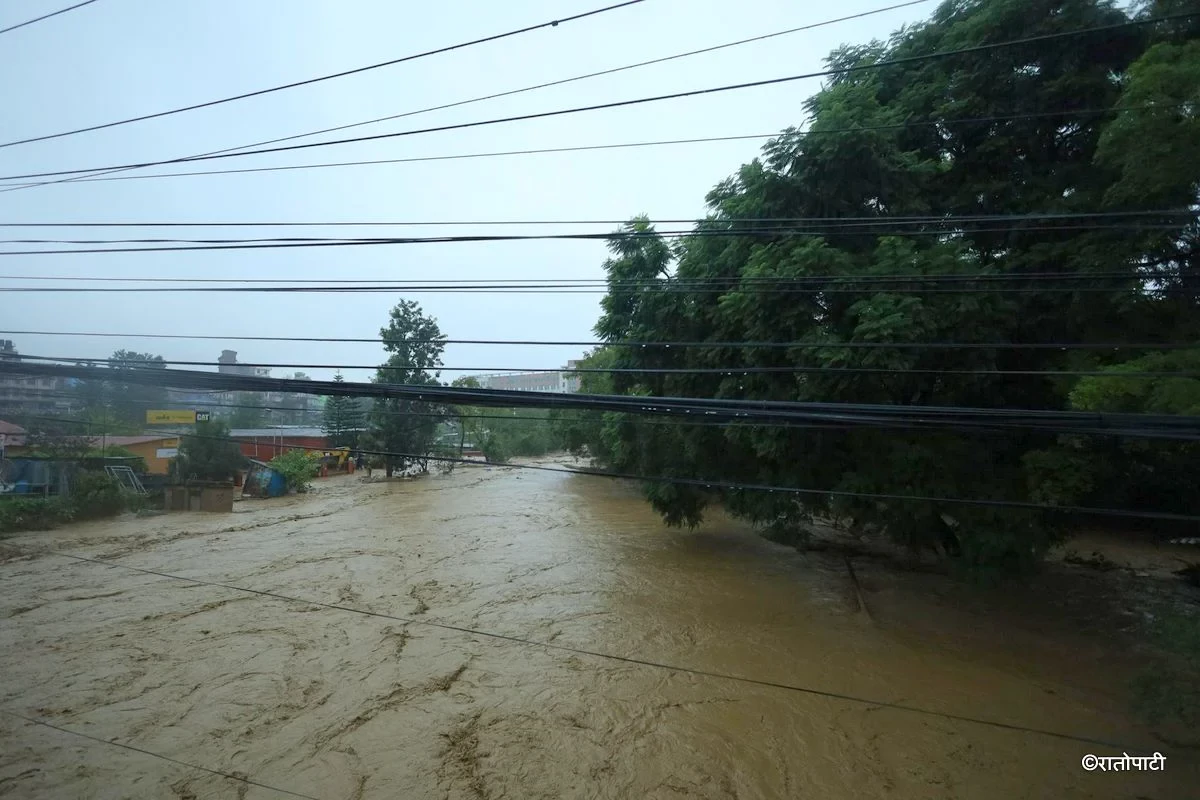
(263, 481)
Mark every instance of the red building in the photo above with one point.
(263, 444)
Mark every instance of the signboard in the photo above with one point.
(166, 452)
(170, 417)
(203, 416)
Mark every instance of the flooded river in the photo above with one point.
(931, 691)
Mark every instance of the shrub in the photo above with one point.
(32, 513)
(297, 467)
(95, 494)
(494, 450)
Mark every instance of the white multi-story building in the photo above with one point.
(30, 394)
(560, 382)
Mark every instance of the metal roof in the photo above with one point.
(122, 441)
(278, 433)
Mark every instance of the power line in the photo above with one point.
(869, 228)
(46, 16)
(562, 81)
(446, 416)
(730, 371)
(277, 243)
(851, 220)
(600, 655)
(355, 71)
(677, 281)
(711, 409)
(666, 288)
(581, 148)
(478, 99)
(10, 187)
(650, 343)
(684, 423)
(114, 743)
(625, 103)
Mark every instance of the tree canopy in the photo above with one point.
(208, 453)
(403, 427)
(1009, 131)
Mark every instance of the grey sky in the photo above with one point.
(119, 58)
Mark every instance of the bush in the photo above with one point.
(95, 494)
(297, 467)
(494, 450)
(32, 513)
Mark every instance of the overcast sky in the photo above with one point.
(120, 58)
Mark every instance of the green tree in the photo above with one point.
(112, 403)
(1003, 163)
(342, 418)
(250, 411)
(129, 402)
(208, 453)
(407, 429)
(468, 418)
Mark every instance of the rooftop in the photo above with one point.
(125, 441)
(278, 433)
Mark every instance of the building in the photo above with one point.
(570, 380)
(559, 382)
(263, 444)
(227, 364)
(11, 436)
(291, 407)
(27, 394)
(156, 450)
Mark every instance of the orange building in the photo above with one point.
(156, 450)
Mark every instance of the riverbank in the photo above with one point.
(943, 691)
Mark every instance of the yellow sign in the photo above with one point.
(170, 417)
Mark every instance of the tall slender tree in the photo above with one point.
(343, 418)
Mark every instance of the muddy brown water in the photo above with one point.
(333, 704)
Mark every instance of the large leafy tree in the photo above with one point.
(103, 395)
(407, 429)
(1010, 131)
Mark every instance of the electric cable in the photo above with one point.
(280, 243)
(447, 416)
(727, 370)
(617, 104)
(344, 73)
(707, 408)
(46, 16)
(12, 187)
(849, 220)
(666, 289)
(522, 90)
(800, 345)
